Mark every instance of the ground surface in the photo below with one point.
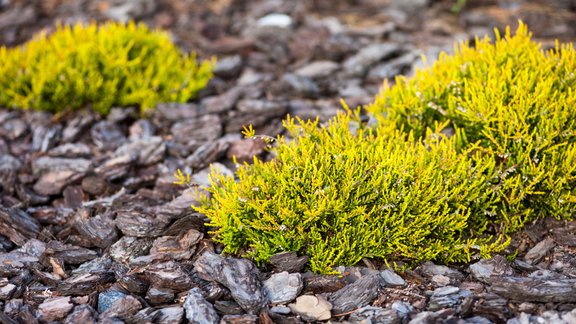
(92, 228)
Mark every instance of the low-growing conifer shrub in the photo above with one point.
(103, 66)
(399, 188)
(511, 102)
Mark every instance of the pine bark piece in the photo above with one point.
(17, 225)
(318, 284)
(82, 314)
(375, 315)
(13, 263)
(159, 296)
(167, 315)
(122, 308)
(539, 251)
(358, 294)
(84, 284)
(68, 253)
(199, 310)
(169, 275)
(55, 308)
(288, 261)
(141, 221)
(239, 275)
(565, 235)
(239, 319)
(99, 230)
(535, 290)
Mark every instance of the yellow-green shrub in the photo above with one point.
(509, 101)
(400, 189)
(109, 65)
(340, 195)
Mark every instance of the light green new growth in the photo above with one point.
(398, 189)
(511, 102)
(109, 65)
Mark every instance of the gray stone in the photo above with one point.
(312, 308)
(6, 289)
(375, 315)
(9, 163)
(569, 317)
(440, 280)
(318, 69)
(12, 307)
(199, 310)
(228, 66)
(368, 56)
(302, 86)
(391, 279)
(13, 129)
(46, 164)
(107, 298)
(275, 20)
(402, 308)
(250, 77)
(284, 310)
(430, 269)
(484, 269)
(283, 287)
(444, 291)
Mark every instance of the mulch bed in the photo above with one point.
(92, 228)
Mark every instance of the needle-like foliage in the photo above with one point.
(103, 66)
(397, 188)
(509, 101)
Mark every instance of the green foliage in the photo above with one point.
(398, 188)
(341, 195)
(108, 65)
(511, 102)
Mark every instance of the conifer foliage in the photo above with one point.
(105, 65)
(399, 188)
